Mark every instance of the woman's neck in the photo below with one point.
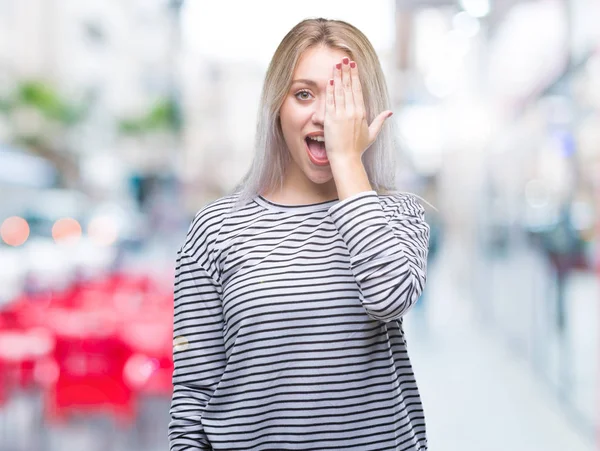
(294, 195)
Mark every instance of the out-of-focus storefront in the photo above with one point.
(499, 119)
(539, 202)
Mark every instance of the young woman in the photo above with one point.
(290, 293)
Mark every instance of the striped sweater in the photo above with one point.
(288, 326)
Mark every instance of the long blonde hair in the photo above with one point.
(268, 166)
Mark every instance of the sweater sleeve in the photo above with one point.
(388, 251)
(198, 352)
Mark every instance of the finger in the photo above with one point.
(329, 99)
(347, 84)
(359, 103)
(377, 124)
(338, 89)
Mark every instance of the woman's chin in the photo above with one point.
(319, 176)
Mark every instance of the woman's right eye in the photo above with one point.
(303, 92)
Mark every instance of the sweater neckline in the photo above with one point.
(306, 208)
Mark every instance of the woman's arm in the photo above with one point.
(198, 352)
(388, 257)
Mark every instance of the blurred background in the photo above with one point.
(120, 119)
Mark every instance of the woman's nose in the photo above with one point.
(319, 112)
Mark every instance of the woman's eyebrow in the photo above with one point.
(305, 81)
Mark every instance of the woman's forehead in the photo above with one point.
(317, 61)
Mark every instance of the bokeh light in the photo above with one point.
(66, 229)
(14, 231)
(102, 230)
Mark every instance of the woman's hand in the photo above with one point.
(347, 133)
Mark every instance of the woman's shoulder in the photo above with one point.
(217, 207)
(207, 222)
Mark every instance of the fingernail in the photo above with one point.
(390, 115)
(345, 60)
(352, 64)
(338, 66)
(331, 82)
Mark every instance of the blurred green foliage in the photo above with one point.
(59, 114)
(45, 99)
(163, 116)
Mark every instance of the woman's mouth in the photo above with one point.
(316, 150)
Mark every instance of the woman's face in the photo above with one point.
(303, 113)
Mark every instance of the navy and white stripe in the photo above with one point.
(288, 326)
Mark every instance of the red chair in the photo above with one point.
(90, 359)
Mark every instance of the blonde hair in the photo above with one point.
(268, 166)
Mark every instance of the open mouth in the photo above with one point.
(315, 146)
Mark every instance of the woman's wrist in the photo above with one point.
(350, 176)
